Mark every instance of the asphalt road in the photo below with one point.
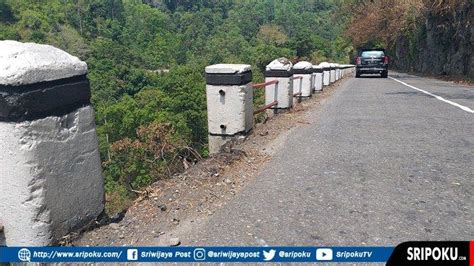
(379, 164)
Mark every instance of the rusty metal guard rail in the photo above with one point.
(268, 106)
(263, 85)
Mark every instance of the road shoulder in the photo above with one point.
(169, 209)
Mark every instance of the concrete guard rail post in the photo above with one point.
(347, 69)
(229, 103)
(280, 69)
(338, 71)
(304, 70)
(326, 73)
(318, 78)
(333, 73)
(50, 172)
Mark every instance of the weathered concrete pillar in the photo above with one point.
(318, 78)
(304, 69)
(338, 71)
(333, 73)
(326, 73)
(280, 69)
(50, 172)
(229, 103)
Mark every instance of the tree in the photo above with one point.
(272, 34)
(6, 13)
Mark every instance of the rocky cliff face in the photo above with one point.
(443, 45)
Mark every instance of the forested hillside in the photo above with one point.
(427, 36)
(146, 61)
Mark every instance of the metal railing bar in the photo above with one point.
(264, 84)
(268, 106)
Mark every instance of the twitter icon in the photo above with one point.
(268, 255)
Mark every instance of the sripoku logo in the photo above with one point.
(435, 253)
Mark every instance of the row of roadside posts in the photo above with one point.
(229, 92)
(45, 106)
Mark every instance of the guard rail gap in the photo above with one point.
(263, 85)
(301, 86)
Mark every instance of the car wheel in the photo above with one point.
(384, 74)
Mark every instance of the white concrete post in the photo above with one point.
(279, 69)
(333, 73)
(304, 69)
(338, 71)
(318, 78)
(50, 172)
(326, 73)
(229, 103)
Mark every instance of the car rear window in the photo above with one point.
(373, 54)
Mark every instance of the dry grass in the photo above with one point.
(384, 21)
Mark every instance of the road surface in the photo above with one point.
(380, 163)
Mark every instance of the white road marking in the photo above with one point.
(462, 107)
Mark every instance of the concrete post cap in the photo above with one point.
(303, 65)
(317, 66)
(281, 63)
(324, 64)
(29, 63)
(228, 69)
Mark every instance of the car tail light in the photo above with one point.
(358, 60)
(385, 60)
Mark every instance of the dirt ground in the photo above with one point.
(193, 196)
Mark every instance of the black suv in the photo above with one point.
(372, 61)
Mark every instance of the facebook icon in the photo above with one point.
(132, 254)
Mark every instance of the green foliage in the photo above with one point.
(6, 13)
(146, 61)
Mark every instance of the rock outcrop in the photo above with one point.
(443, 45)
